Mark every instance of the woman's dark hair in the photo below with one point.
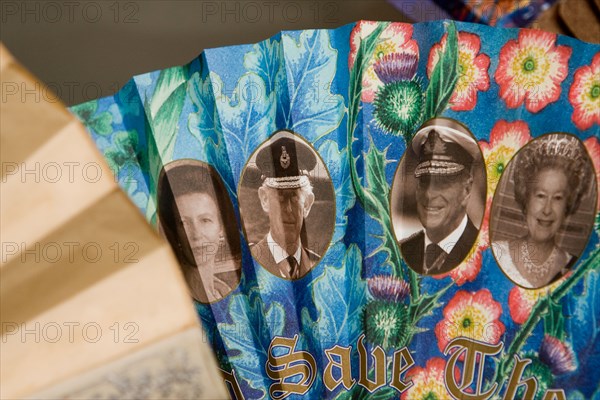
(554, 151)
(187, 176)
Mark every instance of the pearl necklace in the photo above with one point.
(532, 267)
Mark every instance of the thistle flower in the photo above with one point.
(386, 324)
(557, 355)
(396, 67)
(398, 106)
(388, 288)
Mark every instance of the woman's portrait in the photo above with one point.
(197, 218)
(543, 210)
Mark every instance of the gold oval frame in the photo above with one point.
(485, 181)
(329, 180)
(208, 167)
(495, 199)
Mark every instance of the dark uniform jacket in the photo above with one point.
(262, 254)
(413, 250)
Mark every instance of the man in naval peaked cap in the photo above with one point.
(444, 177)
(286, 196)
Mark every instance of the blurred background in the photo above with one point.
(88, 49)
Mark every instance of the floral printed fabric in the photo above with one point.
(357, 95)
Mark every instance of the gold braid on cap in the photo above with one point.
(557, 151)
(287, 182)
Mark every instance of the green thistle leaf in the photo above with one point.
(554, 321)
(375, 196)
(444, 77)
(426, 303)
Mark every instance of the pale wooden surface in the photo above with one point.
(41, 290)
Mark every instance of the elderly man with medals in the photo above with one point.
(286, 196)
(444, 177)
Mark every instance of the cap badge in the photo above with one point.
(284, 160)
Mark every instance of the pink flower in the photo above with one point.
(531, 69)
(428, 382)
(472, 69)
(506, 138)
(584, 95)
(472, 315)
(521, 301)
(593, 147)
(396, 38)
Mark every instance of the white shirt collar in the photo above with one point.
(448, 243)
(279, 254)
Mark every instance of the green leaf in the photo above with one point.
(444, 77)
(363, 55)
(539, 310)
(375, 201)
(98, 123)
(162, 116)
(358, 392)
(554, 321)
(425, 304)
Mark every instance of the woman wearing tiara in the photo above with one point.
(551, 175)
(197, 218)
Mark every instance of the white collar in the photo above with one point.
(448, 243)
(279, 254)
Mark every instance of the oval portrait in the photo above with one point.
(437, 199)
(287, 205)
(543, 210)
(197, 218)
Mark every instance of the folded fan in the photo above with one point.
(301, 222)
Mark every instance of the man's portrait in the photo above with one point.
(438, 197)
(287, 206)
(197, 218)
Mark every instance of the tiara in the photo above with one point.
(567, 147)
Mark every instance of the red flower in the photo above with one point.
(531, 69)
(521, 301)
(396, 38)
(428, 382)
(593, 147)
(584, 95)
(472, 69)
(506, 138)
(472, 315)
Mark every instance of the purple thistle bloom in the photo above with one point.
(388, 288)
(396, 67)
(557, 355)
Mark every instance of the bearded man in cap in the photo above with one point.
(444, 182)
(286, 196)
